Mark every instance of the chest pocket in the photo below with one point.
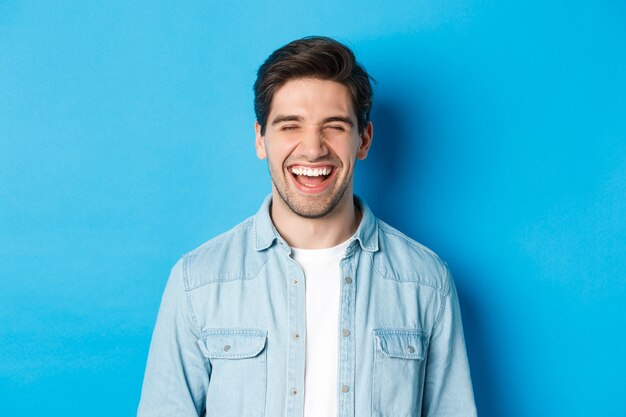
(398, 378)
(238, 381)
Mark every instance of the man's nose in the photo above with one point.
(313, 144)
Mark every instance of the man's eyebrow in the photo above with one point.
(286, 118)
(343, 119)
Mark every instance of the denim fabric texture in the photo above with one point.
(229, 340)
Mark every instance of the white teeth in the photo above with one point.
(311, 172)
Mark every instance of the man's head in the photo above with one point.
(313, 102)
(313, 57)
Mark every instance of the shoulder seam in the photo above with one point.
(188, 297)
(445, 299)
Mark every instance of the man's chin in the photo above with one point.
(310, 209)
(314, 206)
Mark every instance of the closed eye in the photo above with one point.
(289, 127)
(339, 128)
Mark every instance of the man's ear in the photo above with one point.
(366, 141)
(259, 142)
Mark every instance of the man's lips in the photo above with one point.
(312, 179)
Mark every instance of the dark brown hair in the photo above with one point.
(313, 57)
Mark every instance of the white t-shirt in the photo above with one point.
(322, 286)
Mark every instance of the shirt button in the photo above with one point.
(411, 349)
(294, 281)
(346, 332)
(293, 391)
(348, 280)
(226, 348)
(296, 336)
(345, 389)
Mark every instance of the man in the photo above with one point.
(312, 307)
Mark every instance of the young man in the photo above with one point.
(312, 307)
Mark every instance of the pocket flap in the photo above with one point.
(404, 344)
(232, 343)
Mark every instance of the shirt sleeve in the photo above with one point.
(448, 387)
(177, 373)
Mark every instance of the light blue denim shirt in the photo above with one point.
(229, 340)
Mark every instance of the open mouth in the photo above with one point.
(312, 179)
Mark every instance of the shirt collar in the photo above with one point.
(264, 230)
(367, 232)
(266, 234)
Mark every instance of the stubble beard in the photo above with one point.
(314, 209)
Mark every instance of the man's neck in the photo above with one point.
(325, 232)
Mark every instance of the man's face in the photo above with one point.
(311, 142)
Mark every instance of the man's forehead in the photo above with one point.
(305, 97)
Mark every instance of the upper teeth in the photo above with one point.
(310, 172)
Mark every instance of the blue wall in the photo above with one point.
(126, 139)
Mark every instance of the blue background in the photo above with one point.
(126, 139)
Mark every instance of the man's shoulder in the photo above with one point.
(402, 258)
(226, 257)
(240, 233)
